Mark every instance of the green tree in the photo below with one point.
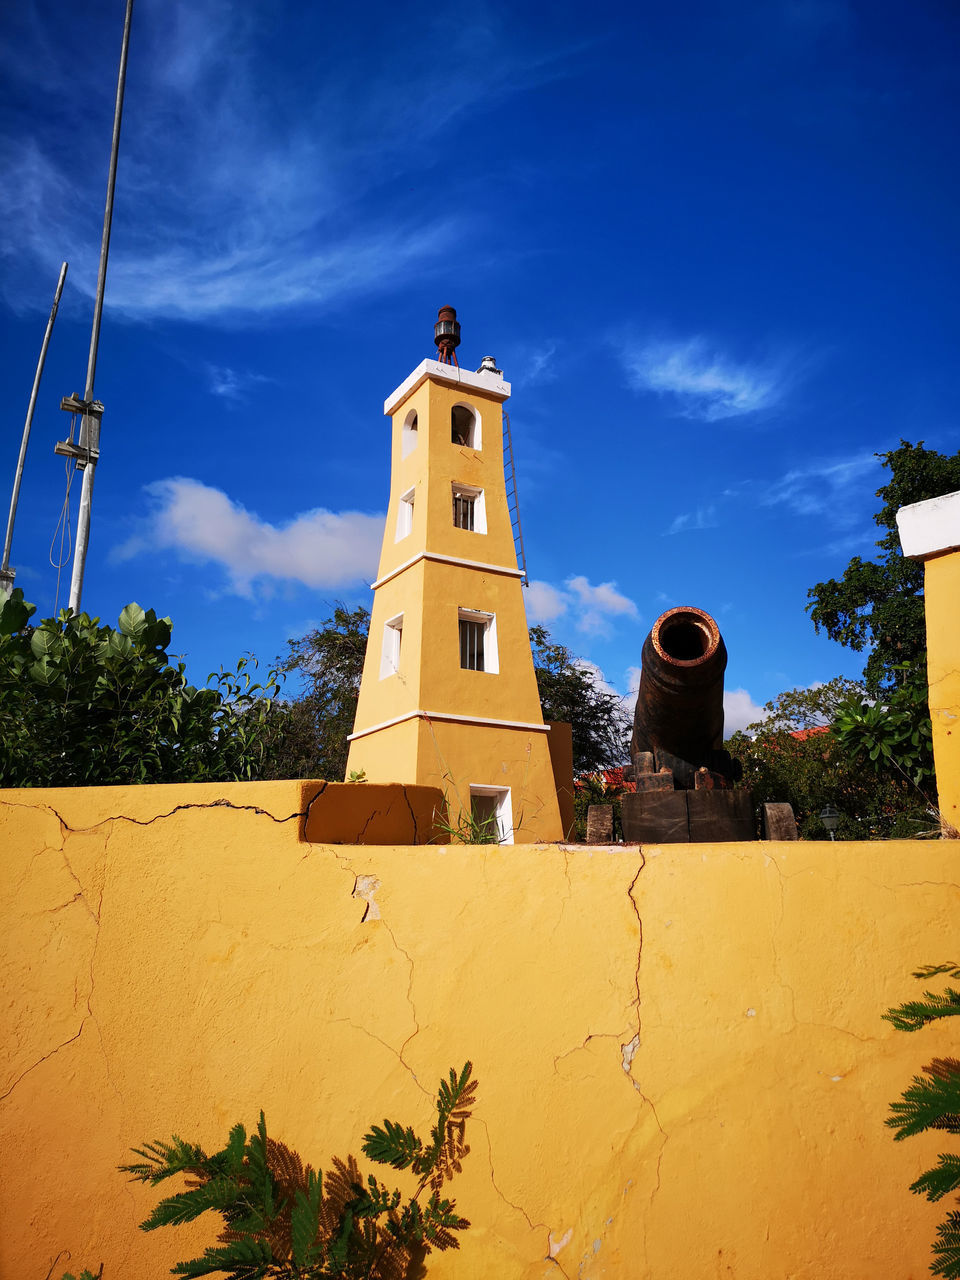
(88, 705)
(309, 733)
(569, 691)
(795, 754)
(878, 604)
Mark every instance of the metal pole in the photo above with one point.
(90, 429)
(7, 574)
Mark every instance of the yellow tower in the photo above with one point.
(448, 696)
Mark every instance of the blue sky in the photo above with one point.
(712, 247)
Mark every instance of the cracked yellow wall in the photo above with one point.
(683, 1070)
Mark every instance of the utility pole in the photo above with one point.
(87, 450)
(7, 575)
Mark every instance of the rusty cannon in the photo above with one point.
(684, 778)
(678, 723)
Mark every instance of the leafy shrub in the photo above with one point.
(932, 1101)
(284, 1220)
(83, 704)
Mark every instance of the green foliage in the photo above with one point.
(790, 756)
(283, 1219)
(893, 738)
(85, 704)
(932, 1101)
(309, 733)
(878, 604)
(568, 691)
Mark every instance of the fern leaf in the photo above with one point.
(393, 1145)
(218, 1193)
(932, 1101)
(241, 1259)
(914, 1014)
(305, 1221)
(938, 1182)
(163, 1159)
(947, 1248)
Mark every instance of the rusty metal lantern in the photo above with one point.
(446, 336)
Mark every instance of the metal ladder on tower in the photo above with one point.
(513, 506)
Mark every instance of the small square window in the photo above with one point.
(491, 811)
(469, 509)
(390, 652)
(405, 515)
(478, 641)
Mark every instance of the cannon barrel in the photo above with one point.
(680, 703)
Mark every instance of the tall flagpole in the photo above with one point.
(87, 452)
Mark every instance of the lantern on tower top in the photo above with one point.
(446, 335)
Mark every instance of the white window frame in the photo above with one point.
(504, 808)
(476, 438)
(479, 505)
(491, 655)
(409, 436)
(390, 648)
(405, 515)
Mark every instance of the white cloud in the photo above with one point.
(703, 383)
(596, 604)
(824, 488)
(544, 603)
(593, 605)
(321, 549)
(690, 521)
(739, 710)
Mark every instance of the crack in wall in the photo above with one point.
(372, 888)
(517, 1208)
(220, 803)
(40, 1061)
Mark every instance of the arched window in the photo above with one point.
(408, 434)
(464, 426)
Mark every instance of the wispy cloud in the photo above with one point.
(593, 606)
(231, 384)
(824, 487)
(321, 549)
(531, 363)
(701, 381)
(238, 192)
(690, 521)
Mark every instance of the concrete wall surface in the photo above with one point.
(683, 1069)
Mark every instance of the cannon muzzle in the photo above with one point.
(680, 703)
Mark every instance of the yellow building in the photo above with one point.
(448, 696)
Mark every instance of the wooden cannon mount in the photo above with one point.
(684, 777)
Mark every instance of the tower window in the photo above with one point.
(491, 811)
(464, 427)
(390, 652)
(478, 641)
(408, 434)
(405, 515)
(468, 509)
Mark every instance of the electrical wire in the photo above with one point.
(63, 525)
